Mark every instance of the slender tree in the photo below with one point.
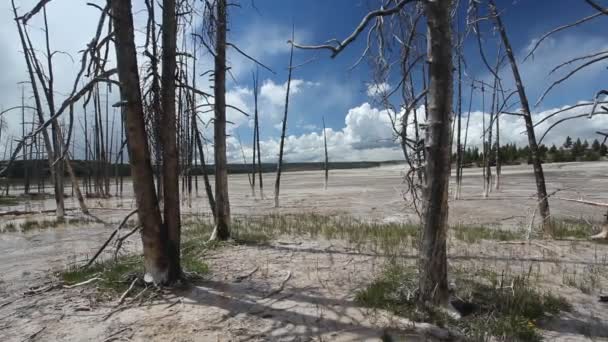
(222, 203)
(541, 190)
(326, 156)
(277, 184)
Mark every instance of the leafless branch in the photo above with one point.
(339, 46)
(557, 29)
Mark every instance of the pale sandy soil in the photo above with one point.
(316, 302)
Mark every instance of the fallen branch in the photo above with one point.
(124, 221)
(281, 287)
(124, 295)
(240, 278)
(582, 201)
(81, 283)
(33, 336)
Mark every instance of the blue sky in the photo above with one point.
(358, 128)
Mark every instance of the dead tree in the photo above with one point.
(156, 259)
(170, 170)
(541, 190)
(256, 127)
(255, 132)
(326, 156)
(222, 203)
(433, 255)
(433, 284)
(277, 183)
(459, 150)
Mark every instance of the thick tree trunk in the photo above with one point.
(154, 235)
(222, 203)
(170, 173)
(277, 184)
(541, 190)
(433, 283)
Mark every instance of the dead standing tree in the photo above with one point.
(326, 155)
(541, 190)
(433, 284)
(222, 203)
(277, 183)
(159, 262)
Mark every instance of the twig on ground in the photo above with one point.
(240, 278)
(113, 337)
(33, 336)
(281, 287)
(81, 283)
(124, 295)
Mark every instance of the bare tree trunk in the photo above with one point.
(201, 151)
(257, 135)
(222, 203)
(168, 139)
(29, 59)
(458, 130)
(26, 174)
(255, 130)
(277, 183)
(433, 283)
(498, 161)
(326, 156)
(541, 190)
(156, 261)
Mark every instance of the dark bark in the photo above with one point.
(156, 262)
(541, 190)
(433, 285)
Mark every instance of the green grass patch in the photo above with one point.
(10, 227)
(116, 276)
(30, 225)
(474, 234)
(9, 200)
(571, 228)
(505, 308)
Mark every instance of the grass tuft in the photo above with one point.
(571, 228)
(474, 234)
(506, 309)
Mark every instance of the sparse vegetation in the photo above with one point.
(117, 275)
(506, 308)
(474, 234)
(571, 228)
(29, 225)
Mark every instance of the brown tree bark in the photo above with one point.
(156, 261)
(541, 190)
(433, 283)
(222, 203)
(170, 173)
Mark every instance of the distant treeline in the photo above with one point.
(511, 154)
(38, 168)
